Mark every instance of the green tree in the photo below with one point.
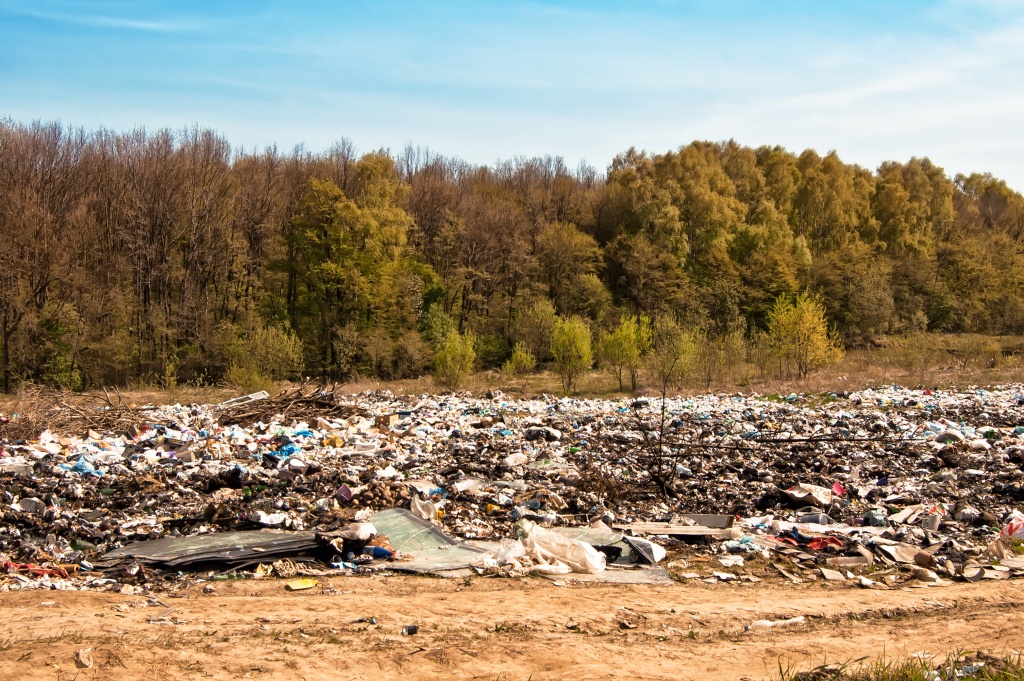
(624, 348)
(854, 285)
(568, 259)
(637, 203)
(535, 327)
(832, 206)
(801, 336)
(344, 260)
(646, 277)
(571, 349)
(671, 356)
(454, 360)
(436, 325)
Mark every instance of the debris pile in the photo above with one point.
(871, 487)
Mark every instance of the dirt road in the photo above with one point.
(511, 630)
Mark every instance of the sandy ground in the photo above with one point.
(498, 630)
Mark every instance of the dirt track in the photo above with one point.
(491, 629)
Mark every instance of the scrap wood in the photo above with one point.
(306, 401)
(672, 530)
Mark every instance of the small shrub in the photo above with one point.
(491, 349)
(454, 360)
(535, 327)
(412, 355)
(380, 352)
(436, 325)
(247, 378)
(520, 363)
(976, 350)
(263, 355)
(916, 354)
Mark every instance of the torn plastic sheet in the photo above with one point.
(430, 549)
(655, 576)
(603, 538)
(629, 550)
(803, 492)
(227, 548)
(553, 552)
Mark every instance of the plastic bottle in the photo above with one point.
(378, 552)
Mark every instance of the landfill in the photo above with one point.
(867, 489)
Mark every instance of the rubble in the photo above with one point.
(925, 483)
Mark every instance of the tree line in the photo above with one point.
(169, 257)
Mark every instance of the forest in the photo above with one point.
(147, 257)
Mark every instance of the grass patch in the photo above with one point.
(513, 631)
(960, 666)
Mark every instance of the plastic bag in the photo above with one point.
(83, 467)
(550, 548)
(1015, 526)
(552, 569)
(358, 531)
(426, 509)
(509, 552)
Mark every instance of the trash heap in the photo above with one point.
(871, 487)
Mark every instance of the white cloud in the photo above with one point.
(104, 21)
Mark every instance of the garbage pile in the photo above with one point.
(886, 483)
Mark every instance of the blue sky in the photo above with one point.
(874, 80)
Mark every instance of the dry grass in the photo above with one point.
(934, 361)
(957, 666)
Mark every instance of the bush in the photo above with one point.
(349, 350)
(571, 349)
(380, 352)
(491, 350)
(56, 346)
(263, 355)
(453, 361)
(412, 355)
(980, 351)
(520, 363)
(916, 354)
(247, 378)
(275, 352)
(436, 325)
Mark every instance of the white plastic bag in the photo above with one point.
(550, 548)
(1015, 526)
(425, 509)
(359, 531)
(509, 552)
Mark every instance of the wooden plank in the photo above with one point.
(672, 530)
(718, 522)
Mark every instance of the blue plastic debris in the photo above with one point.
(83, 467)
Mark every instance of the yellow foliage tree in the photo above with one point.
(799, 333)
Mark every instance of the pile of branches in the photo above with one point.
(305, 402)
(35, 409)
